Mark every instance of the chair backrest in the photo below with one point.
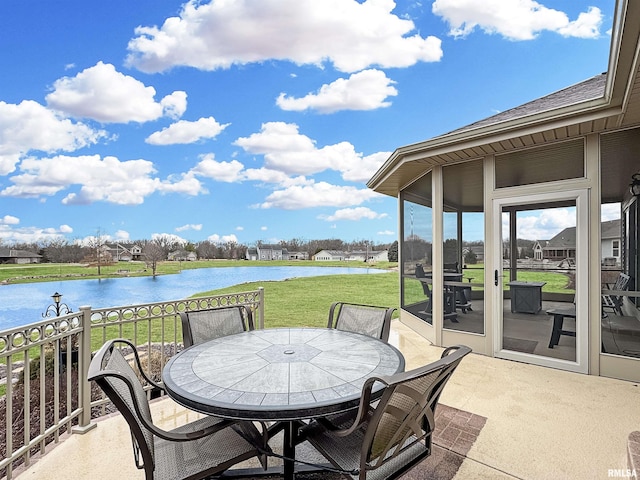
(119, 381)
(622, 282)
(366, 319)
(201, 325)
(420, 273)
(405, 413)
(451, 267)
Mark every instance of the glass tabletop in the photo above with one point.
(278, 374)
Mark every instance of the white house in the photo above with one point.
(267, 252)
(329, 256)
(355, 256)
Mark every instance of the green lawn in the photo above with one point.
(306, 301)
(555, 282)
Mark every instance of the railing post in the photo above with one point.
(84, 387)
(261, 308)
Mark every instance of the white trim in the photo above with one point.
(581, 365)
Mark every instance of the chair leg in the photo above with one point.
(558, 320)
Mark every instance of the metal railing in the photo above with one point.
(44, 390)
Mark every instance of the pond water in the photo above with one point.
(22, 304)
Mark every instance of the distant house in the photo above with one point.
(611, 242)
(298, 256)
(563, 245)
(477, 250)
(182, 256)
(329, 256)
(538, 249)
(123, 252)
(356, 255)
(267, 252)
(11, 255)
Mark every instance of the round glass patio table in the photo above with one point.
(281, 374)
(278, 374)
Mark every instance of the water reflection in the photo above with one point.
(24, 303)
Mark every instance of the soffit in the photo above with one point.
(412, 165)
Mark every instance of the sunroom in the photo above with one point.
(472, 269)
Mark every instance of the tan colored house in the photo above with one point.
(571, 152)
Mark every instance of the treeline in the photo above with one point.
(96, 249)
(314, 246)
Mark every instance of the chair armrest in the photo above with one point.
(139, 363)
(334, 305)
(364, 410)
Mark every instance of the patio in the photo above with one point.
(540, 423)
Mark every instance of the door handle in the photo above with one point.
(495, 281)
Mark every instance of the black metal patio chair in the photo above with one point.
(369, 320)
(614, 302)
(201, 325)
(196, 450)
(390, 438)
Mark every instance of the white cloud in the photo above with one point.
(288, 151)
(352, 35)
(9, 234)
(321, 194)
(101, 179)
(106, 95)
(239, 228)
(366, 90)
(9, 220)
(175, 104)
(514, 19)
(122, 235)
(266, 175)
(234, 171)
(586, 26)
(221, 171)
(185, 184)
(184, 132)
(191, 226)
(361, 169)
(353, 214)
(387, 233)
(169, 238)
(263, 229)
(610, 211)
(222, 239)
(544, 224)
(29, 126)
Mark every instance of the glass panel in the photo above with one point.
(539, 315)
(620, 261)
(416, 248)
(463, 247)
(620, 295)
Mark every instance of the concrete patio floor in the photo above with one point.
(541, 423)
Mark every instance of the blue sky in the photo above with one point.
(256, 119)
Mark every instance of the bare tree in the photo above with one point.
(97, 253)
(54, 250)
(152, 253)
(206, 249)
(168, 243)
